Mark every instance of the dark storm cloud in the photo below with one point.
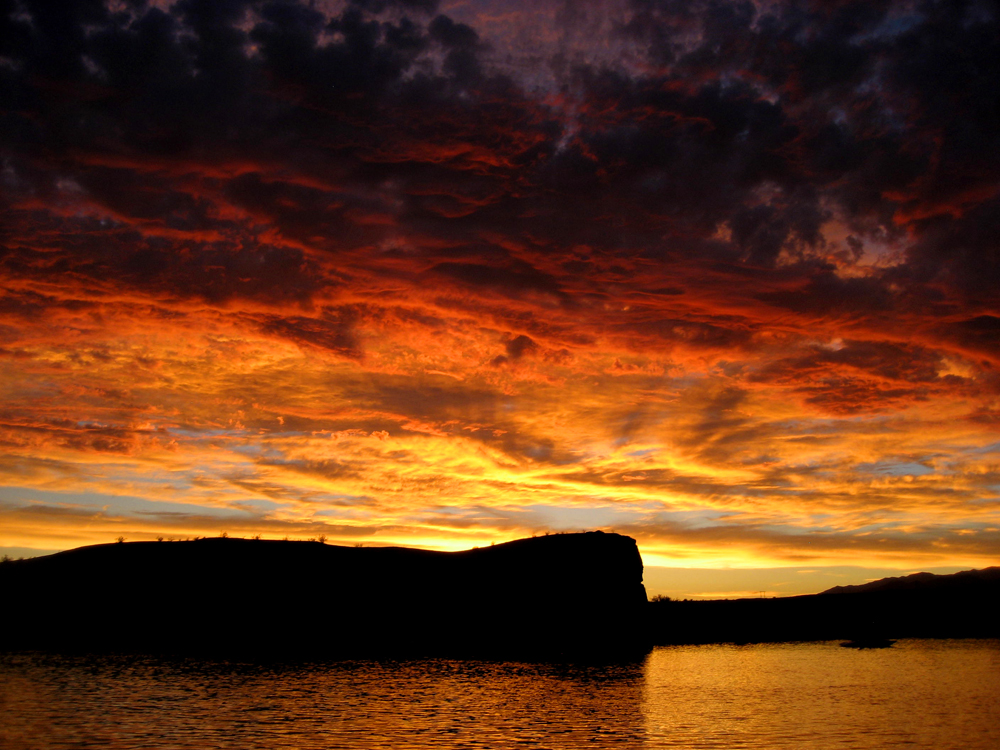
(514, 280)
(158, 119)
(761, 123)
(859, 376)
(237, 150)
(334, 332)
(981, 333)
(519, 345)
(822, 292)
(884, 107)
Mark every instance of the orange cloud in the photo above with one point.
(409, 289)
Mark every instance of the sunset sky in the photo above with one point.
(721, 276)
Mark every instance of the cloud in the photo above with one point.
(648, 256)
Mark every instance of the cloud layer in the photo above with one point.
(723, 276)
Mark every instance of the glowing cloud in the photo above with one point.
(719, 276)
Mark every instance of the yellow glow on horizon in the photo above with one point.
(228, 426)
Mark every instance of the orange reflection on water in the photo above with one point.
(927, 695)
(922, 694)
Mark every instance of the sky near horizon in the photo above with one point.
(721, 276)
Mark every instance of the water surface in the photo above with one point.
(918, 694)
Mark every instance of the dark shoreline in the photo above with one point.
(565, 596)
(946, 607)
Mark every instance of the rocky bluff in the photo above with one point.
(559, 595)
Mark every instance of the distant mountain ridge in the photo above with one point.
(965, 579)
(922, 605)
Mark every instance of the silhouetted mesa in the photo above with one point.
(564, 594)
(923, 605)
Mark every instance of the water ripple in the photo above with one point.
(918, 694)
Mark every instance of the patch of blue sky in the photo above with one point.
(991, 448)
(256, 506)
(895, 24)
(704, 518)
(586, 518)
(144, 507)
(115, 504)
(651, 506)
(896, 468)
(643, 452)
(819, 523)
(988, 499)
(774, 486)
(258, 451)
(19, 496)
(454, 510)
(821, 529)
(689, 379)
(178, 482)
(206, 434)
(344, 501)
(346, 513)
(783, 529)
(477, 514)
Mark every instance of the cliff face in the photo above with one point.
(561, 594)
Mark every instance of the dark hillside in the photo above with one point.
(566, 593)
(961, 605)
(966, 582)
